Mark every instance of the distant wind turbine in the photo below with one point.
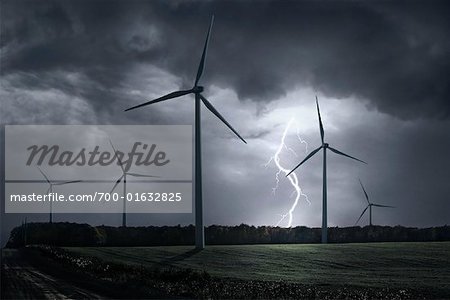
(50, 190)
(369, 206)
(124, 178)
(324, 146)
(197, 91)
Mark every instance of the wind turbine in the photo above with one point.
(197, 91)
(369, 206)
(124, 178)
(324, 146)
(50, 190)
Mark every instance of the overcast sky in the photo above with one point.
(380, 70)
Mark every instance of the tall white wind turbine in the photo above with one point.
(324, 146)
(369, 206)
(50, 190)
(124, 178)
(197, 91)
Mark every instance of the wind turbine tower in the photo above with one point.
(197, 91)
(369, 206)
(324, 147)
(50, 190)
(124, 178)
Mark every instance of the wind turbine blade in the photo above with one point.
(163, 98)
(115, 154)
(141, 175)
(214, 111)
(364, 190)
(306, 158)
(379, 205)
(201, 66)
(48, 190)
(341, 153)
(117, 182)
(322, 133)
(46, 178)
(361, 214)
(67, 182)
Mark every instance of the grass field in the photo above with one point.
(398, 265)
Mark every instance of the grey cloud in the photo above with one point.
(393, 54)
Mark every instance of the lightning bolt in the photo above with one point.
(293, 179)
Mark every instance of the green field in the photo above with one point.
(397, 265)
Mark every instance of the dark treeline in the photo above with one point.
(72, 234)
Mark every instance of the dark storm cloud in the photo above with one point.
(80, 62)
(396, 55)
(408, 167)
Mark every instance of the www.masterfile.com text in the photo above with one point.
(97, 197)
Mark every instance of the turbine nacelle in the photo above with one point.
(325, 145)
(197, 89)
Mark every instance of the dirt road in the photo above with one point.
(20, 280)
